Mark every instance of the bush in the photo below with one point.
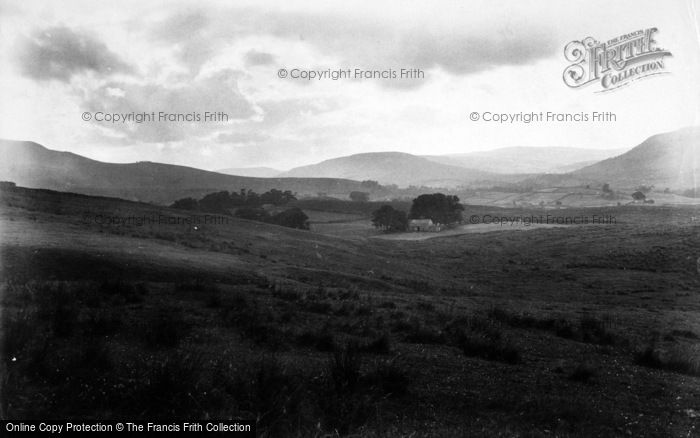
(583, 372)
(322, 340)
(344, 368)
(389, 378)
(270, 395)
(678, 360)
(17, 333)
(596, 331)
(124, 291)
(291, 218)
(489, 347)
(419, 333)
(379, 345)
(103, 322)
(172, 387)
(166, 329)
(59, 306)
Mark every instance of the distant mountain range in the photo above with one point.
(505, 165)
(523, 159)
(666, 160)
(31, 165)
(256, 172)
(393, 168)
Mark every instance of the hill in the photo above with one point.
(147, 311)
(670, 159)
(32, 165)
(392, 168)
(522, 159)
(257, 172)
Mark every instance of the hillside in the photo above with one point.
(522, 159)
(32, 165)
(669, 160)
(256, 172)
(392, 168)
(238, 319)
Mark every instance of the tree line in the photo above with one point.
(222, 202)
(248, 205)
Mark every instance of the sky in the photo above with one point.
(61, 60)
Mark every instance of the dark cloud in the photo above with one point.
(253, 58)
(216, 93)
(60, 53)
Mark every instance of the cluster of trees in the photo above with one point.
(388, 218)
(292, 218)
(248, 205)
(222, 202)
(438, 207)
(358, 196)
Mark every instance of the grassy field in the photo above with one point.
(576, 330)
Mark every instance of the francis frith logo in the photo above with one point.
(614, 63)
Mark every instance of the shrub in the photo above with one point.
(17, 333)
(389, 378)
(679, 360)
(166, 329)
(344, 368)
(418, 333)
(271, 395)
(487, 346)
(596, 331)
(123, 290)
(172, 387)
(103, 322)
(380, 345)
(322, 341)
(583, 372)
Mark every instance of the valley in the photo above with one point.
(477, 333)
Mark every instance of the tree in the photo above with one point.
(252, 214)
(606, 188)
(440, 208)
(218, 202)
(277, 197)
(370, 184)
(359, 196)
(389, 219)
(638, 196)
(292, 218)
(185, 204)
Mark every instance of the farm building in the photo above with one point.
(418, 225)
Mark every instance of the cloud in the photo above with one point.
(253, 58)
(358, 43)
(60, 53)
(216, 93)
(241, 137)
(464, 53)
(188, 23)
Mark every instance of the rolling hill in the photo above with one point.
(32, 165)
(670, 159)
(522, 159)
(256, 172)
(393, 168)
